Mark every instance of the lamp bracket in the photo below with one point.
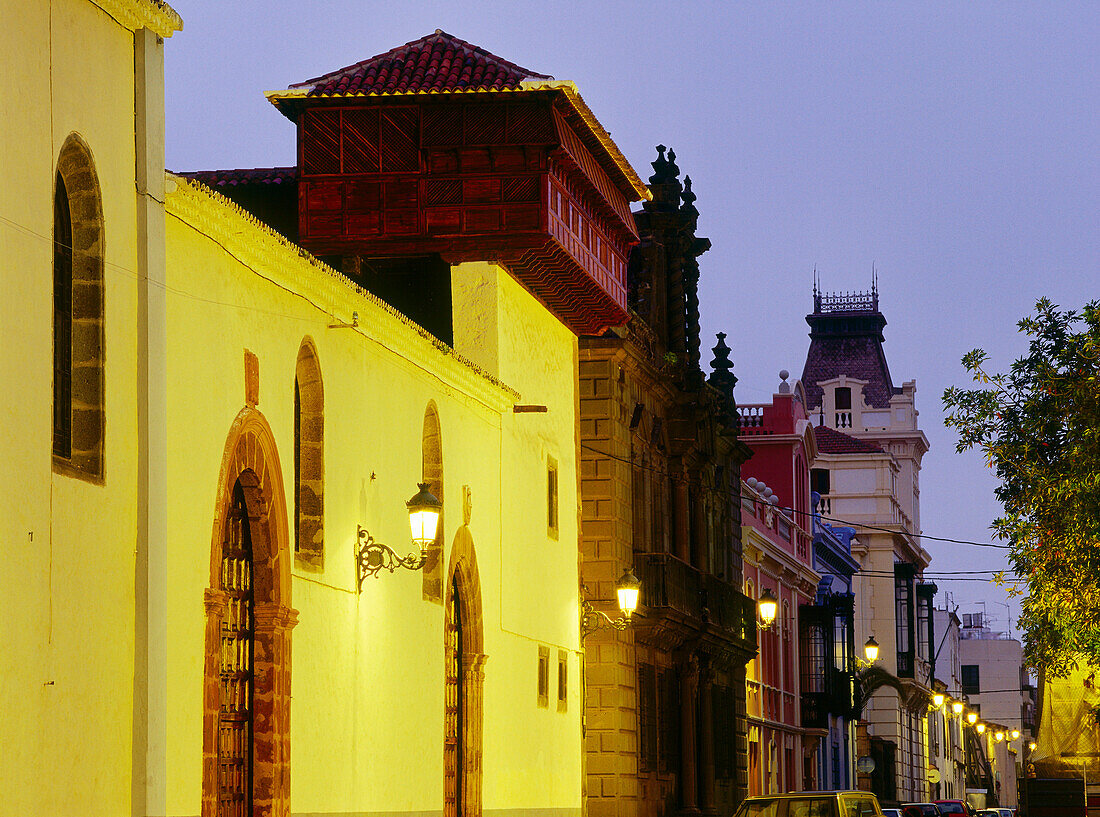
(593, 619)
(371, 557)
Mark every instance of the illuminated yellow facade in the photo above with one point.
(83, 85)
(367, 673)
(219, 378)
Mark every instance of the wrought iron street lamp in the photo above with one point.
(980, 727)
(972, 718)
(627, 590)
(870, 650)
(1000, 736)
(937, 700)
(372, 557)
(957, 707)
(1015, 734)
(767, 607)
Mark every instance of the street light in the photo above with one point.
(627, 589)
(937, 700)
(1032, 746)
(980, 728)
(1015, 734)
(372, 557)
(957, 707)
(870, 650)
(972, 718)
(767, 607)
(999, 736)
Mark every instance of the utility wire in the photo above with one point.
(843, 522)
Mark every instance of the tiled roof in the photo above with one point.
(846, 339)
(233, 178)
(437, 62)
(831, 441)
(859, 357)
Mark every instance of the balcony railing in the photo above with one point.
(670, 584)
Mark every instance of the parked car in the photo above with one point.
(920, 810)
(955, 807)
(988, 812)
(891, 812)
(1005, 812)
(811, 804)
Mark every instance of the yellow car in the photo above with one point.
(811, 804)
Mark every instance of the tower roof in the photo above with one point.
(846, 339)
(437, 62)
(441, 63)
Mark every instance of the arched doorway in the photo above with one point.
(246, 689)
(464, 663)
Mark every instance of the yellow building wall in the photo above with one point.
(68, 642)
(367, 670)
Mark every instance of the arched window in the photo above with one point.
(78, 418)
(309, 459)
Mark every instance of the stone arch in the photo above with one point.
(309, 458)
(432, 473)
(78, 382)
(464, 661)
(251, 474)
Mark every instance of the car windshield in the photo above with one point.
(950, 808)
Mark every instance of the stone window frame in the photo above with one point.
(309, 459)
(83, 455)
(432, 473)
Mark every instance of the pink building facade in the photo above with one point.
(778, 557)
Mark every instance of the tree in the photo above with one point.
(1039, 428)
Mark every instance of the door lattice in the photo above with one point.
(237, 638)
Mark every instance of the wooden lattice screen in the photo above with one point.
(237, 640)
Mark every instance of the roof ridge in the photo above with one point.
(394, 53)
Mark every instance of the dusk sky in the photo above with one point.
(954, 147)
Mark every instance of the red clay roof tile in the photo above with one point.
(437, 62)
(831, 441)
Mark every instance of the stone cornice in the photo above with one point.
(289, 267)
(155, 15)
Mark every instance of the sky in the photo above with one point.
(954, 148)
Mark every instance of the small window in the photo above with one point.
(971, 679)
(552, 497)
(563, 680)
(819, 481)
(843, 397)
(544, 676)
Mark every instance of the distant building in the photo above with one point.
(834, 611)
(993, 676)
(788, 677)
(946, 728)
(869, 453)
(996, 684)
